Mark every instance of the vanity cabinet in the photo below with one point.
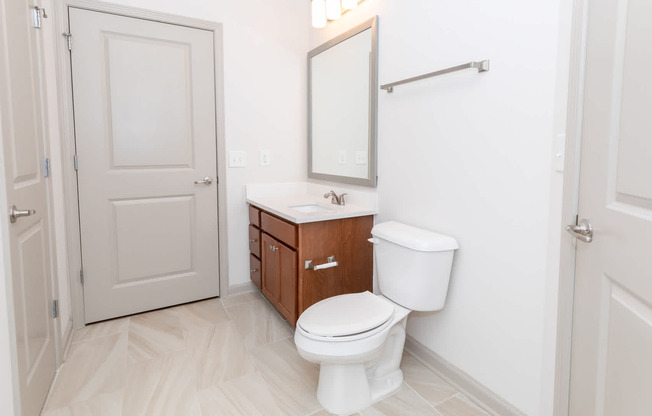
(279, 250)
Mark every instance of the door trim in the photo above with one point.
(570, 200)
(67, 131)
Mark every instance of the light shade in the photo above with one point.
(333, 9)
(349, 4)
(319, 13)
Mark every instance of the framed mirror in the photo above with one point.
(342, 103)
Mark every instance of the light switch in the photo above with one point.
(264, 158)
(342, 159)
(237, 159)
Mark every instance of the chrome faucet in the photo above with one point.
(335, 199)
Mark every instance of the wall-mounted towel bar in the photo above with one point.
(482, 66)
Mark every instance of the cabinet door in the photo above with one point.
(287, 301)
(270, 253)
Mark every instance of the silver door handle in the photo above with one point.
(582, 231)
(14, 213)
(206, 181)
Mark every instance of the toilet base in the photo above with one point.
(346, 388)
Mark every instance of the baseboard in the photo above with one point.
(241, 288)
(470, 387)
(67, 340)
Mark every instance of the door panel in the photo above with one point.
(287, 296)
(24, 149)
(611, 369)
(270, 268)
(145, 132)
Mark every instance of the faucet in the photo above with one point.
(335, 199)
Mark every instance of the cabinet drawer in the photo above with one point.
(280, 229)
(255, 270)
(254, 241)
(254, 215)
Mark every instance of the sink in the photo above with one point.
(309, 208)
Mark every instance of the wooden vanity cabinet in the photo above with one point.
(285, 247)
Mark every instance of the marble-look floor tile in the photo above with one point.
(162, 386)
(425, 382)
(324, 412)
(219, 354)
(404, 402)
(92, 368)
(102, 405)
(459, 405)
(258, 323)
(241, 298)
(101, 329)
(154, 334)
(291, 379)
(201, 314)
(248, 395)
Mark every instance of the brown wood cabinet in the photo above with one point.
(279, 251)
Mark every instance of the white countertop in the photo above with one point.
(282, 206)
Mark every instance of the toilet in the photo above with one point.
(357, 339)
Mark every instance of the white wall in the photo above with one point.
(470, 155)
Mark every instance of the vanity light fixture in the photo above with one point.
(325, 10)
(319, 14)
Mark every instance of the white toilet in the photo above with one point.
(358, 338)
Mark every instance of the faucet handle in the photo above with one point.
(331, 193)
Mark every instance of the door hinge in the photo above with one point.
(55, 308)
(46, 167)
(36, 17)
(76, 162)
(81, 276)
(69, 39)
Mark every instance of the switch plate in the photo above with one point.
(342, 158)
(237, 159)
(361, 157)
(264, 158)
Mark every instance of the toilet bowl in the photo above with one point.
(358, 339)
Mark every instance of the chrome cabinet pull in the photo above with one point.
(253, 241)
(253, 270)
(331, 263)
(15, 213)
(206, 181)
(273, 248)
(582, 231)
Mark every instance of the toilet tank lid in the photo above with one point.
(413, 238)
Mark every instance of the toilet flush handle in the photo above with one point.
(373, 240)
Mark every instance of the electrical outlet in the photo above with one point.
(361, 157)
(237, 159)
(342, 158)
(264, 158)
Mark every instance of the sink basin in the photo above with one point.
(309, 208)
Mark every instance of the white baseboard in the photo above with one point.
(67, 340)
(470, 387)
(240, 289)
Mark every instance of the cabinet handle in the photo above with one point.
(273, 248)
(253, 241)
(253, 270)
(309, 265)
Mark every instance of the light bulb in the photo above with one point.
(333, 9)
(318, 13)
(349, 4)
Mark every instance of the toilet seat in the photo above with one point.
(346, 317)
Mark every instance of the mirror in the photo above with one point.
(342, 93)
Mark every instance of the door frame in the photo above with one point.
(67, 131)
(570, 203)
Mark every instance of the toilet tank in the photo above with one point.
(413, 265)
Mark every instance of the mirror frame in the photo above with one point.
(372, 176)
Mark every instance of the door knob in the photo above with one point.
(206, 181)
(14, 213)
(582, 231)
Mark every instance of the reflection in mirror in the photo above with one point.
(342, 107)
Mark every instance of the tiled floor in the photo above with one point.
(234, 356)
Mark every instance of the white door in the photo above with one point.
(22, 117)
(611, 369)
(144, 103)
